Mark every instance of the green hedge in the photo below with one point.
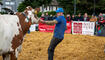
(39, 14)
(49, 13)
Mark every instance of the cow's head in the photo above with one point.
(29, 12)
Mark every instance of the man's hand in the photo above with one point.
(48, 22)
(41, 21)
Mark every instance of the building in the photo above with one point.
(51, 7)
(0, 6)
(11, 4)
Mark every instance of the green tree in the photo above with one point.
(33, 3)
(67, 5)
(82, 6)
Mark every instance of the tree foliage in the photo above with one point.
(83, 6)
(68, 5)
(33, 3)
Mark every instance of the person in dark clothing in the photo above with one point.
(54, 17)
(68, 18)
(42, 17)
(79, 17)
(73, 18)
(86, 18)
(58, 36)
(51, 17)
(101, 22)
(46, 16)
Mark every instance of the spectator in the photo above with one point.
(54, 17)
(79, 17)
(68, 18)
(100, 15)
(101, 20)
(51, 17)
(104, 16)
(93, 18)
(86, 18)
(37, 25)
(73, 18)
(42, 17)
(46, 16)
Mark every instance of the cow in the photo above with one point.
(13, 28)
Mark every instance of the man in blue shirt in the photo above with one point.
(59, 30)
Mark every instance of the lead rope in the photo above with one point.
(25, 16)
(26, 21)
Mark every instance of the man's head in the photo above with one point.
(59, 11)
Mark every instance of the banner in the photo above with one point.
(32, 27)
(49, 28)
(84, 28)
(46, 28)
(68, 24)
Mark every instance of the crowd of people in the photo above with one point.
(79, 17)
(94, 18)
(99, 19)
(47, 17)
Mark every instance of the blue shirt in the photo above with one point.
(60, 27)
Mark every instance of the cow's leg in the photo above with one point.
(6, 56)
(14, 55)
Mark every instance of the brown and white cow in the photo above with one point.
(12, 31)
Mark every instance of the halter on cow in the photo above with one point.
(12, 31)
